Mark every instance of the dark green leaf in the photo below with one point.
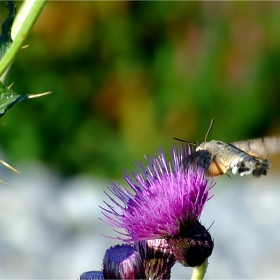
(9, 98)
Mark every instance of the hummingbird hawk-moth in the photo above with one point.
(243, 157)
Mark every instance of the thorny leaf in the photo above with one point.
(9, 98)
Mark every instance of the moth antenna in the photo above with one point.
(185, 141)
(209, 129)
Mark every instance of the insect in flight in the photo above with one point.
(243, 157)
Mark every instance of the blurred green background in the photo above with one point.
(128, 76)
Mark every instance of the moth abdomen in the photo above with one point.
(261, 168)
(252, 165)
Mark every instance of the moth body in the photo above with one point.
(243, 157)
(225, 157)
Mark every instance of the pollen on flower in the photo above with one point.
(166, 195)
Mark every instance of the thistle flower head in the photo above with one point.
(192, 246)
(157, 258)
(167, 196)
(122, 262)
(92, 275)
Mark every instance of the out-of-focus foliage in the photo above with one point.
(127, 76)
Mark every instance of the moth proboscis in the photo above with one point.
(243, 157)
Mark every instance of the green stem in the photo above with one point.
(25, 19)
(199, 271)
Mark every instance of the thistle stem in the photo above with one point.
(25, 19)
(199, 271)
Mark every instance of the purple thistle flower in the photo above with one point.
(168, 197)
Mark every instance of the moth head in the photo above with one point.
(212, 147)
(204, 146)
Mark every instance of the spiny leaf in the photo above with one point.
(9, 98)
(5, 37)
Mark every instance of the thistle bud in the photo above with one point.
(192, 246)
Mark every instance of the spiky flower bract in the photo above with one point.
(167, 197)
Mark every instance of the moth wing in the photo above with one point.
(261, 147)
(216, 168)
(252, 154)
(201, 158)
